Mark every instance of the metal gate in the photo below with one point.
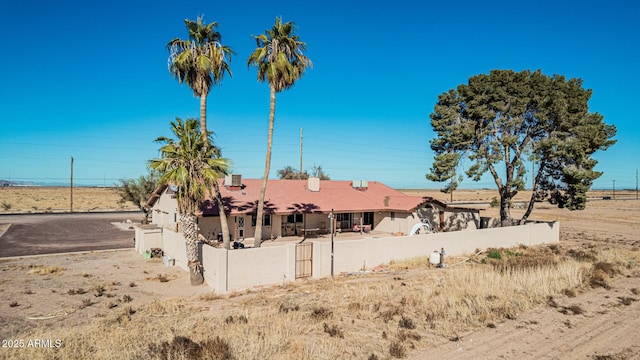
(304, 260)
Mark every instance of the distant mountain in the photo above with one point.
(18, 183)
(4, 183)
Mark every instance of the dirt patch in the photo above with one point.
(64, 291)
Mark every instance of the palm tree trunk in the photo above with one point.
(224, 224)
(203, 113)
(267, 166)
(190, 233)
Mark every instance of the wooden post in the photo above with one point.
(71, 186)
(300, 171)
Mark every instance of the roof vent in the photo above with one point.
(233, 180)
(360, 184)
(313, 184)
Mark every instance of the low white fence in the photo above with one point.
(235, 270)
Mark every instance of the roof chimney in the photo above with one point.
(360, 184)
(313, 184)
(233, 181)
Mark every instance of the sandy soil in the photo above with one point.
(608, 328)
(71, 289)
(41, 199)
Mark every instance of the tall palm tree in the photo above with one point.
(201, 62)
(280, 61)
(191, 163)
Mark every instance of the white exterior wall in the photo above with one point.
(234, 270)
(147, 237)
(173, 244)
(400, 223)
(215, 268)
(365, 254)
(164, 211)
(276, 264)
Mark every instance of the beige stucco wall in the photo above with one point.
(174, 245)
(398, 224)
(367, 253)
(147, 237)
(273, 265)
(228, 270)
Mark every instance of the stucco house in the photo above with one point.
(302, 207)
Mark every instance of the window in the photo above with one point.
(343, 217)
(368, 218)
(294, 218)
(266, 220)
(392, 215)
(344, 220)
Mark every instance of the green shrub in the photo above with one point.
(494, 254)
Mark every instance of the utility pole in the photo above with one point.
(300, 176)
(636, 184)
(71, 186)
(331, 226)
(614, 189)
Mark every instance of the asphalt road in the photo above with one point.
(58, 233)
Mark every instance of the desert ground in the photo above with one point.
(574, 300)
(42, 199)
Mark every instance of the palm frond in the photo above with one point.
(191, 162)
(279, 57)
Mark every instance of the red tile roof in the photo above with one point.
(289, 196)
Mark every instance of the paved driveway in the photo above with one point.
(58, 233)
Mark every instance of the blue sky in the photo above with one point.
(90, 80)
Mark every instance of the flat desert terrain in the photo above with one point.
(573, 300)
(39, 199)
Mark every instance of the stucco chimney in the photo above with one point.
(313, 184)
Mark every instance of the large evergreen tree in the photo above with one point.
(500, 120)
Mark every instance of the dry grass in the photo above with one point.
(58, 199)
(381, 316)
(46, 270)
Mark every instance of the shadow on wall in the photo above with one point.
(460, 221)
(453, 220)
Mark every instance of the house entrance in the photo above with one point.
(304, 260)
(344, 221)
(240, 225)
(368, 219)
(290, 224)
